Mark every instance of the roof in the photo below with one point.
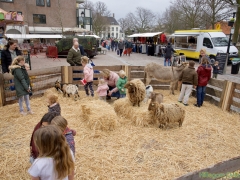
(32, 36)
(145, 34)
(195, 31)
(111, 20)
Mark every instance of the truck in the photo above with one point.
(190, 42)
(89, 44)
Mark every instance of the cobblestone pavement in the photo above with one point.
(111, 59)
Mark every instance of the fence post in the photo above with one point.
(227, 97)
(127, 71)
(223, 94)
(2, 95)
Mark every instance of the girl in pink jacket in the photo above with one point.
(102, 89)
(88, 75)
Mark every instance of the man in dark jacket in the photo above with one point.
(120, 47)
(189, 79)
(168, 54)
(80, 46)
(8, 55)
(74, 55)
(129, 47)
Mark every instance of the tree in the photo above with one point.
(123, 24)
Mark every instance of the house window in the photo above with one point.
(116, 28)
(39, 18)
(116, 35)
(48, 3)
(112, 28)
(112, 34)
(108, 28)
(7, 0)
(40, 2)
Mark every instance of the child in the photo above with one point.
(53, 105)
(55, 160)
(62, 123)
(102, 89)
(215, 69)
(88, 75)
(27, 67)
(121, 83)
(22, 83)
(46, 120)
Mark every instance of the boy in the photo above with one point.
(215, 69)
(121, 83)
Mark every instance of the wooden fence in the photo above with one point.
(224, 94)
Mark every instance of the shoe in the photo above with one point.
(197, 105)
(108, 97)
(180, 101)
(185, 104)
(23, 113)
(30, 112)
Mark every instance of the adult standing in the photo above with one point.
(9, 54)
(204, 75)
(112, 44)
(129, 47)
(80, 46)
(168, 54)
(120, 47)
(111, 78)
(74, 55)
(203, 53)
(189, 79)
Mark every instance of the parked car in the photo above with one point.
(89, 44)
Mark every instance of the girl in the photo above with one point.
(55, 160)
(88, 75)
(22, 83)
(121, 83)
(102, 89)
(46, 120)
(215, 69)
(53, 105)
(62, 123)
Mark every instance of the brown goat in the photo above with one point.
(156, 97)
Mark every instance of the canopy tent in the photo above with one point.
(76, 30)
(145, 34)
(2, 11)
(33, 36)
(97, 37)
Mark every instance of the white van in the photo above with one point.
(190, 42)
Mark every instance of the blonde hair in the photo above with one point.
(17, 60)
(203, 50)
(84, 60)
(106, 72)
(52, 98)
(51, 142)
(122, 73)
(60, 122)
(101, 81)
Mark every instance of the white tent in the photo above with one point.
(97, 37)
(145, 34)
(33, 36)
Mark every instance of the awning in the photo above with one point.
(33, 36)
(97, 37)
(146, 34)
(4, 12)
(46, 30)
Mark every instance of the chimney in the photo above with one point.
(113, 15)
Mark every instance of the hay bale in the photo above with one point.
(99, 115)
(139, 116)
(50, 91)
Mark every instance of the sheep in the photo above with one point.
(70, 89)
(136, 91)
(149, 90)
(167, 113)
(156, 97)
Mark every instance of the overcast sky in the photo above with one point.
(121, 7)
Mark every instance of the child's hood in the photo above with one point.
(89, 66)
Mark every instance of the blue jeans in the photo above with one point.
(122, 95)
(20, 102)
(167, 61)
(201, 91)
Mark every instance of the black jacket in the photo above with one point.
(81, 50)
(6, 59)
(168, 51)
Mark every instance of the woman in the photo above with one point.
(204, 75)
(203, 53)
(9, 54)
(111, 78)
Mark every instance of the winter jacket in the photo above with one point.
(21, 79)
(102, 89)
(88, 73)
(6, 59)
(204, 74)
(215, 69)
(189, 75)
(74, 57)
(128, 45)
(120, 85)
(55, 108)
(112, 81)
(120, 45)
(70, 139)
(81, 49)
(34, 151)
(168, 51)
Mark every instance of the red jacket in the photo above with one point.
(204, 74)
(34, 151)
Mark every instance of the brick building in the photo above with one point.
(42, 16)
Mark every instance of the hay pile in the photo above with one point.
(139, 116)
(207, 136)
(99, 115)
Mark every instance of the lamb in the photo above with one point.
(167, 113)
(70, 89)
(156, 97)
(136, 91)
(149, 90)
